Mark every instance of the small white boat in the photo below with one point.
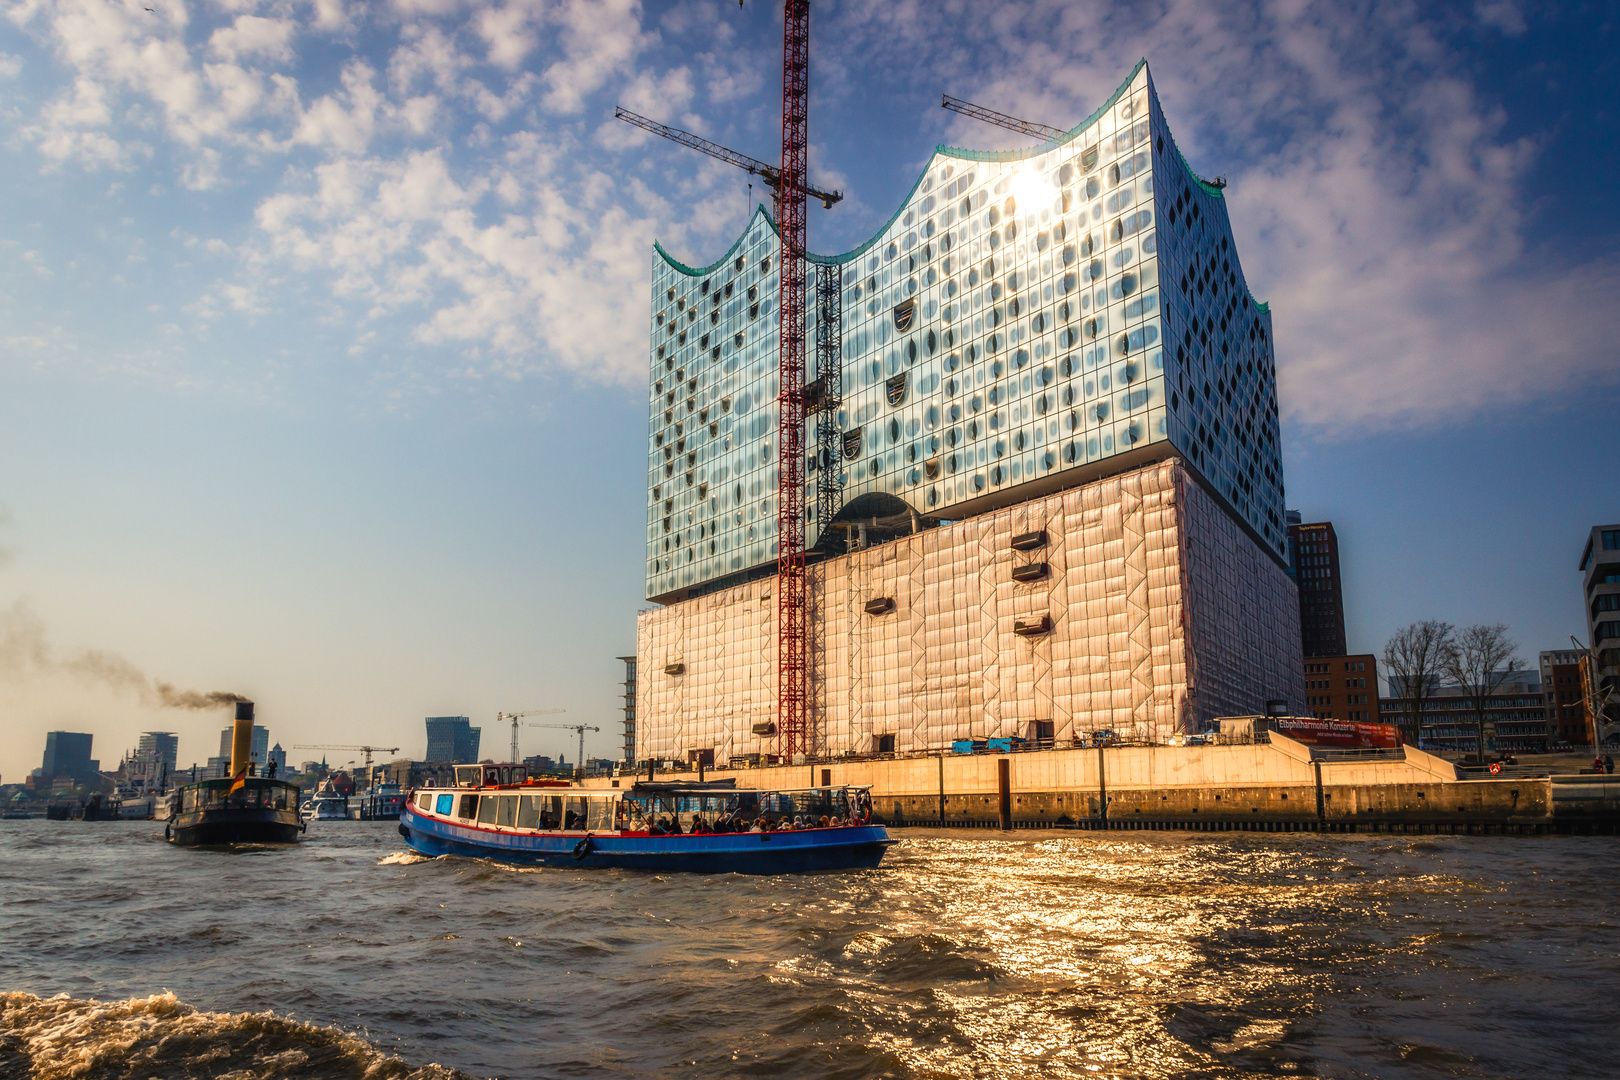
(328, 805)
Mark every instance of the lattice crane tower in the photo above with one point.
(790, 183)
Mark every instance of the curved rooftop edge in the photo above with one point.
(961, 154)
(982, 155)
(699, 271)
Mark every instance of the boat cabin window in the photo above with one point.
(468, 775)
(528, 815)
(506, 813)
(574, 812)
(446, 804)
(665, 810)
(600, 818)
(424, 801)
(469, 806)
(486, 810)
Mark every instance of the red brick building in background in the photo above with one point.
(1565, 698)
(1343, 688)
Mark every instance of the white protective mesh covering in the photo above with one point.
(1164, 613)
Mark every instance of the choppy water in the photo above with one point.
(967, 955)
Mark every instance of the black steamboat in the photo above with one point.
(238, 809)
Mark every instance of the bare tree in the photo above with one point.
(1412, 659)
(1478, 660)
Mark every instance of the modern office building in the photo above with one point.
(452, 739)
(1515, 716)
(161, 748)
(629, 708)
(1600, 567)
(1343, 688)
(1563, 694)
(278, 758)
(258, 750)
(1053, 434)
(151, 767)
(1314, 548)
(67, 753)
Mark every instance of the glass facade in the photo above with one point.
(1026, 321)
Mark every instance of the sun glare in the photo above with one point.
(1027, 188)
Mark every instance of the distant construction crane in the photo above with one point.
(368, 750)
(770, 174)
(1044, 132)
(514, 717)
(582, 729)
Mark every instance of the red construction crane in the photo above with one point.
(791, 185)
(792, 583)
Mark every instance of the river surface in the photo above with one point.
(968, 954)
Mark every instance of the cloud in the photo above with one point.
(1378, 203)
(455, 192)
(253, 35)
(1503, 15)
(599, 39)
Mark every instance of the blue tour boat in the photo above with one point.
(498, 812)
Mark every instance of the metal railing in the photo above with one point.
(1330, 754)
(980, 749)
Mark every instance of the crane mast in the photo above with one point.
(792, 591)
(514, 717)
(790, 184)
(367, 750)
(581, 729)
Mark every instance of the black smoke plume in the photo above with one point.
(25, 649)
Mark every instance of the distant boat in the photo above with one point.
(328, 805)
(261, 811)
(238, 809)
(381, 803)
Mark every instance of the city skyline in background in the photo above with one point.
(364, 492)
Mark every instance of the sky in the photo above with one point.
(323, 325)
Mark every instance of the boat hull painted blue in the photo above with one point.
(850, 848)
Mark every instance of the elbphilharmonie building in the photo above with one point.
(1053, 451)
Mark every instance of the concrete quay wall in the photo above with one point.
(1247, 786)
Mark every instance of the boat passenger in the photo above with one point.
(826, 822)
(698, 827)
(673, 824)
